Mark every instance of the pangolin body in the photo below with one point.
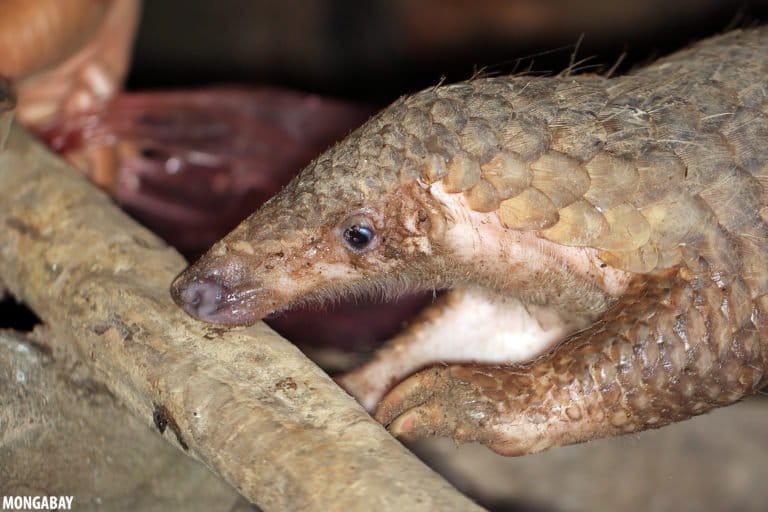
(620, 220)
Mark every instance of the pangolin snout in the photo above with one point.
(200, 297)
(208, 299)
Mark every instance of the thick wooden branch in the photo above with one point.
(244, 401)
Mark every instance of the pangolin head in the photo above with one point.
(358, 220)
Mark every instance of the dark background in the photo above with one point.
(376, 50)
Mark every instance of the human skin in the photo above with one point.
(65, 56)
(604, 241)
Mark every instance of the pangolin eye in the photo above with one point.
(358, 237)
(358, 233)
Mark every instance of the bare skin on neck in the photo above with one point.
(604, 240)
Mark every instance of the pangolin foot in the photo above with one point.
(457, 401)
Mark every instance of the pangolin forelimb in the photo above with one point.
(464, 325)
(667, 350)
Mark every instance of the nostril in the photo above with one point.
(200, 297)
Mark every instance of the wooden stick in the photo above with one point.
(245, 402)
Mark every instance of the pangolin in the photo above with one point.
(603, 240)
